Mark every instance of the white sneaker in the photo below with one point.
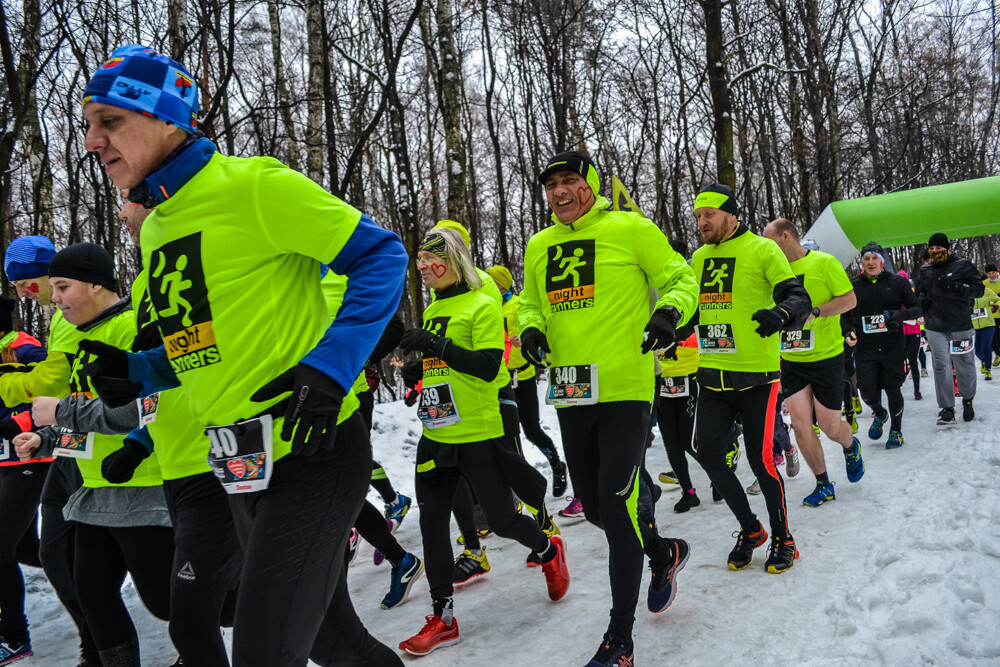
(754, 489)
(923, 372)
(791, 462)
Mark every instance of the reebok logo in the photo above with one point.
(187, 572)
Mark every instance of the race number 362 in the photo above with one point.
(717, 330)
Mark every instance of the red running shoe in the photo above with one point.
(556, 572)
(436, 634)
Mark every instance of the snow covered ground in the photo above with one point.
(900, 569)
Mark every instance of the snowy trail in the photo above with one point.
(900, 568)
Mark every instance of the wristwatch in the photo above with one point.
(815, 311)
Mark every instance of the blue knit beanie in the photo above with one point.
(28, 257)
(140, 79)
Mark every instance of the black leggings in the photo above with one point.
(526, 395)
(850, 381)
(103, 556)
(205, 570)
(477, 462)
(878, 373)
(20, 491)
(913, 353)
(293, 603)
(371, 525)
(57, 544)
(380, 480)
(716, 412)
(604, 446)
(675, 417)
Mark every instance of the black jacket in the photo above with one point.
(946, 292)
(887, 292)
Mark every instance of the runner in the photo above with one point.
(748, 294)
(122, 524)
(912, 334)
(298, 468)
(26, 264)
(812, 360)
(584, 305)
(992, 281)
(885, 300)
(983, 322)
(948, 286)
(461, 345)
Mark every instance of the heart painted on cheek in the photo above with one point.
(439, 270)
(585, 195)
(32, 288)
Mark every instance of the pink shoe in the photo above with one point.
(779, 459)
(574, 510)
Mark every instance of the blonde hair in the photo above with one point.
(458, 258)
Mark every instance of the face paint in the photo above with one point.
(32, 288)
(439, 270)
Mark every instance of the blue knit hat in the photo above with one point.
(140, 79)
(28, 257)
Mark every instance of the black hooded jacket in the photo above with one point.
(946, 293)
(887, 292)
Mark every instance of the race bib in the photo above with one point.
(75, 445)
(437, 406)
(980, 313)
(872, 324)
(572, 385)
(241, 454)
(147, 408)
(963, 346)
(4, 448)
(675, 387)
(797, 341)
(716, 338)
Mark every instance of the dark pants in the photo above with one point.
(477, 463)
(58, 542)
(675, 417)
(984, 345)
(380, 480)
(526, 394)
(20, 491)
(913, 358)
(878, 372)
(604, 446)
(102, 559)
(294, 538)
(756, 407)
(371, 525)
(205, 570)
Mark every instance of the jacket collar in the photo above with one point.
(180, 167)
(585, 220)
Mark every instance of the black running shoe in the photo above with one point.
(612, 653)
(688, 500)
(946, 417)
(558, 479)
(742, 553)
(781, 555)
(662, 587)
(968, 414)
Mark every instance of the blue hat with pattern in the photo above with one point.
(140, 79)
(28, 257)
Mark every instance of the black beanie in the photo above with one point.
(990, 268)
(569, 161)
(87, 262)
(940, 239)
(7, 314)
(718, 196)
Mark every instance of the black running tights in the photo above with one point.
(675, 417)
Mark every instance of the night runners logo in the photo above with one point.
(180, 297)
(432, 365)
(569, 275)
(717, 284)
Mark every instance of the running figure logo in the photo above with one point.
(569, 275)
(717, 284)
(180, 301)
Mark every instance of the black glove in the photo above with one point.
(312, 408)
(660, 333)
(892, 315)
(9, 429)
(424, 341)
(148, 338)
(533, 343)
(770, 321)
(411, 398)
(108, 374)
(16, 368)
(412, 372)
(119, 466)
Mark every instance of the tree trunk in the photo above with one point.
(314, 105)
(722, 106)
(281, 87)
(450, 85)
(177, 28)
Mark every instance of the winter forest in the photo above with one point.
(422, 110)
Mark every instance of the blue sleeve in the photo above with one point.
(141, 435)
(152, 370)
(374, 261)
(30, 354)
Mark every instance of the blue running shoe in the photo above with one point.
(823, 493)
(875, 430)
(613, 653)
(662, 587)
(895, 440)
(855, 464)
(12, 651)
(397, 510)
(404, 576)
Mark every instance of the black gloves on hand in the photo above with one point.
(533, 342)
(424, 341)
(119, 466)
(411, 398)
(660, 333)
(312, 408)
(108, 374)
(9, 429)
(770, 321)
(412, 373)
(16, 368)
